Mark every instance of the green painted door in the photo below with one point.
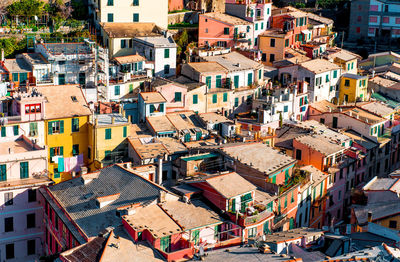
(61, 79)
(165, 243)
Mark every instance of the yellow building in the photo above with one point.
(66, 130)
(353, 88)
(107, 140)
(345, 59)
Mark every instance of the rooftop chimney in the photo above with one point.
(369, 216)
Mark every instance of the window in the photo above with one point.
(225, 97)
(3, 131)
(56, 151)
(285, 109)
(178, 96)
(165, 243)
(8, 224)
(327, 78)
(195, 99)
(30, 220)
(166, 69)
(385, 19)
(75, 124)
(166, 53)
(346, 82)
(107, 155)
(31, 195)
(208, 81)
(123, 43)
(359, 18)
(8, 199)
(110, 18)
(226, 31)
(298, 154)
(117, 90)
(272, 43)
(110, 2)
(286, 42)
(108, 133)
(135, 17)
(252, 232)
(335, 74)
(250, 79)
(33, 109)
(373, 19)
(24, 170)
(89, 152)
(3, 172)
(75, 150)
(31, 247)
(10, 251)
(236, 101)
(271, 58)
(218, 81)
(393, 224)
(125, 131)
(135, 2)
(236, 81)
(214, 98)
(256, 27)
(56, 127)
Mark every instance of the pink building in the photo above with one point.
(23, 169)
(174, 93)
(223, 30)
(174, 5)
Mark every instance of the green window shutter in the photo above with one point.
(61, 150)
(16, 130)
(236, 81)
(161, 108)
(285, 202)
(208, 81)
(117, 91)
(75, 124)
(259, 74)
(250, 79)
(3, 172)
(108, 133)
(51, 153)
(136, 17)
(152, 109)
(125, 131)
(214, 98)
(130, 88)
(256, 26)
(327, 78)
(226, 31)
(178, 96)
(110, 2)
(24, 170)
(225, 97)
(110, 18)
(218, 81)
(50, 128)
(135, 2)
(166, 53)
(195, 99)
(3, 131)
(61, 126)
(236, 101)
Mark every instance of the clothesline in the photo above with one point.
(68, 164)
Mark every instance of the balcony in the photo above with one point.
(249, 220)
(9, 120)
(48, 81)
(184, 250)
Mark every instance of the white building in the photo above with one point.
(322, 76)
(71, 63)
(23, 168)
(128, 11)
(159, 49)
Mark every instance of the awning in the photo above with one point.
(306, 32)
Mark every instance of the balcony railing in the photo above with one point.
(9, 119)
(279, 218)
(256, 218)
(44, 82)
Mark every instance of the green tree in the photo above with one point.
(26, 8)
